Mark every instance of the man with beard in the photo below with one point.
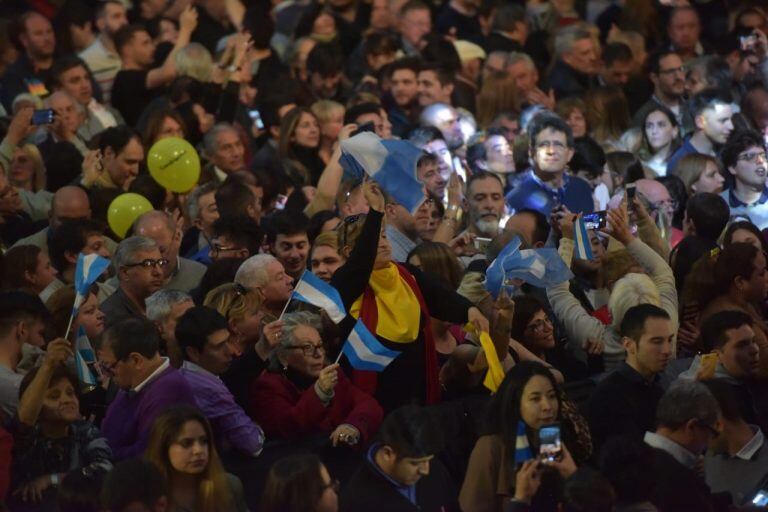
(744, 158)
(402, 99)
(712, 119)
(101, 56)
(485, 202)
(547, 186)
(665, 69)
(31, 70)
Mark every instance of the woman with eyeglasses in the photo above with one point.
(181, 445)
(300, 483)
(395, 302)
(302, 395)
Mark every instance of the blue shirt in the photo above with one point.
(408, 491)
(685, 149)
(530, 192)
(757, 212)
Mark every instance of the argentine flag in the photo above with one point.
(539, 267)
(87, 271)
(313, 290)
(522, 447)
(390, 163)
(365, 352)
(583, 248)
(84, 354)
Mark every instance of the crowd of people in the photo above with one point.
(622, 142)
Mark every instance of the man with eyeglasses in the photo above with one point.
(624, 402)
(744, 158)
(547, 185)
(140, 273)
(666, 71)
(688, 418)
(712, 113)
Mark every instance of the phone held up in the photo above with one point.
(595, 220)
(40, 117)
(550, 444)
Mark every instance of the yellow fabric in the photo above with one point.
(495, 373)
(399, 313)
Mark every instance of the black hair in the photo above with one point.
(714, 327)
(145, 185)
(441, 57)
(269, 108)
(59, 372)
(294, 483)
(218, 272)
(79, 492)
(616, 52)
(745, 225)
(130, 481)
(544, 120)
(627, 462)
(541, 228)
(423, 135)
(285, 223)
(133, 335)
(411, 63)
(361, 109)
(507, 16)
(476, 155)
(233, 197)
(525, 307)
(588, 156)
(445, 75)
(707, 99)
(588, 490)
(316, 222)
(241, 230)
(709, 213)
(64, 64)
(18, 306)
(70, 236)
(738, 142)
(326, 59)
(726, 396)
(125, 34)
(259, 24)
(687, 253)
(633, 323)
(411, 431)
(380, 43)
(195, 325)
(116, 138)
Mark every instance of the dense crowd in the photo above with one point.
(383, 255)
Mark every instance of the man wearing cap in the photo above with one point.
(467, 79)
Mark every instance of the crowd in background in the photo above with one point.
(623, 139)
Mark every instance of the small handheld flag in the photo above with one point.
(365, 352)
(583, 247)
(522, 447)
(313, 290)
(83, 355)
(87, 271)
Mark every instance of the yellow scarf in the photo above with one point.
(399, 313)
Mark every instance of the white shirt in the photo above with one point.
(160, 369)
(754, 444)
(680, 454)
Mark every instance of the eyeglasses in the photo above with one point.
(539, 325)
(666, 204)
(752, 156)
(681, 69)
(554, 144)
(149, 263)
(309, 349)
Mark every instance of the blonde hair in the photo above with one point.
(233, 301)
(691, 167)
(323, 109)
(38, 175)
(629, 291)
(194, 60)
(327, 239)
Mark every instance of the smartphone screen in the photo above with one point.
(40, 117)
(595, 220)
(550, 447)
(255, 116)
(760, 499)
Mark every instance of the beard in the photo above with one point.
(488, 226)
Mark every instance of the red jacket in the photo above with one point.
(284, 410)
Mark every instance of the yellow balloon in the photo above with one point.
(174, 164)
(124, 210)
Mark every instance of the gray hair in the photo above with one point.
(193, 198)
(159, 304)
(194, 60)
(515, 57)
(287, 339)
(130, 246)
(253, 271)
(567, 36)
(210, 140)
(687, 400)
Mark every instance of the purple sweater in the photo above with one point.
(130, 416)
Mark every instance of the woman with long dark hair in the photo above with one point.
(300, 145)
(299, 483)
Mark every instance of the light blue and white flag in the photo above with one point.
(390, 163)
(365, 352)
(313, 290)
(522, 447)
(87, 271)
(495, 277)
(84, 354)
(539, 267)
(583, 247)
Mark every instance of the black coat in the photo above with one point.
(679, 489)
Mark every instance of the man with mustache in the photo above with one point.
(666, 71)
(547, 185)
(744, 157)
(485, 202)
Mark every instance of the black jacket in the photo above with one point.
(679, 489)
(368, 490)
(567, 82)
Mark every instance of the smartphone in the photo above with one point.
(550, 446)
(365, 127)
(595, 220)
(255, 116)
(481, 244)
(748, 42)
(708, 366)
(40, 117)
(760, 499)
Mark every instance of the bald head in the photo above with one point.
(161, 228)
(657, 195)
(69, 202)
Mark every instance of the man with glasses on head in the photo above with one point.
(148, 384)
(745, 159)
(666, 71)
(140, 273)
(547, 186)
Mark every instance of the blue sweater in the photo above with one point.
(531, 193)
(130, 416)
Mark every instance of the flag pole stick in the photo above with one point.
(338, 358)
(69, 325)
(291, 297)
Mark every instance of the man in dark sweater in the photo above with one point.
(625, 401)
(148, 385)
(400, 471)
